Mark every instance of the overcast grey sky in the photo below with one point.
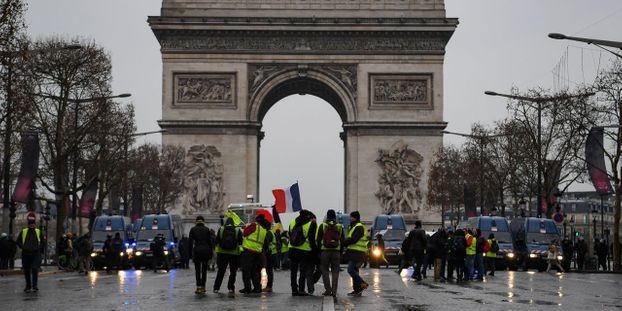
(498, 45)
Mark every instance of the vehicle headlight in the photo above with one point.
(121, 254)
(165, 252)
(533, 255)
(376, 252)
(510, 255)
(93, 254)
(560, 257)
(139, 253)
(129, 251)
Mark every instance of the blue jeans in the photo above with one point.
(353, 271)
(469, 265)
(479, 264)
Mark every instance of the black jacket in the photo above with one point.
(201, 243)
(419, 240)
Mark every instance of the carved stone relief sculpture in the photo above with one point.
(203, 184)
(206, 90)
(411, 91)
(398, 183)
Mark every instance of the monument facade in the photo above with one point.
(379, 63)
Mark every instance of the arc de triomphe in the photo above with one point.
(379, 63)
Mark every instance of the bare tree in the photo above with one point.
(63, 78)
(564, 129)
(158, 171)
(609, 87)
(446, 181)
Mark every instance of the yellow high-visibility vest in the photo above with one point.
(361, 244)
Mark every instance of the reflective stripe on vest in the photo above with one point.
(306, 246)
(471, 249)
(220, 250)
(272, 243)
(254, 241)
(361, 245)
(491, 253)
(37, 233)
(339, 228)
(284, 245)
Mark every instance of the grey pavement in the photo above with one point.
(146, 290)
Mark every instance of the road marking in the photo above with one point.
(328, 304)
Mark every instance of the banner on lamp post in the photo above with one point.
(28, 170)
(137, 203)
(87, 201)
(595, 158)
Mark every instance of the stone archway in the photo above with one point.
(378, 63)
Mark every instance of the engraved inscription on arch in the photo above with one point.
(403, 91)
(205, 90)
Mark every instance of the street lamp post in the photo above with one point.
(7, 61)
(597, 42)
(539, 101)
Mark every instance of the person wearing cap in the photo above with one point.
(255, 244)
(356, 245)
(301, 243)
(31, 242)
(330, 240)
(201, 245)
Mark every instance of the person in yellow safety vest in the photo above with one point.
(301, 235)
(491, 255)
(30, 241)
(255, 244)
(356, 244)
(330, 240)
(272, 258)
(228, 242)
(284, 254)
(469, 261)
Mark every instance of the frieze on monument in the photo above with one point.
(403, 91)
(203, 181)
(398, 183)
(303, 43)
(204, 89)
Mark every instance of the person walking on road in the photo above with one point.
(330, 241)
(602, 250)
(567, 251)
(301, 234)
(255, 244)
(356, 244)
(85, 248)
(469, 261)
(271, 259)
(581, 253)
(31, 243)
(109, 254)
(418, 248)
(4, 251)
(228, 243)
(200, 245)
(184, 252)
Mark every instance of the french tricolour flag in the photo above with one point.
(287, 200)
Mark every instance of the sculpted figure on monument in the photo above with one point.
(203, 188)
(203, 89)
(398, 184)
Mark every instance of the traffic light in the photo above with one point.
(576, 233)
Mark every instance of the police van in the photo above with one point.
(500, 228)
(531, 237)
(109, 225)
(392, 229)
(170, 226)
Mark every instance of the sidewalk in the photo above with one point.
(45, 270)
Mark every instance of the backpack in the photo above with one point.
(297, 236)
(331, 236)
(228, 238)
(459, 246)
(486, 247)
(494, 247)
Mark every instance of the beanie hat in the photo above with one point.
(331, 215)
(199, 219)
(356, 215)
(260, 217)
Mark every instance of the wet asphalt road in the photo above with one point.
(145, 290)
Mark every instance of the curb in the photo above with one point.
(328, 304)
(5, 273)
